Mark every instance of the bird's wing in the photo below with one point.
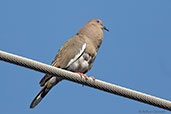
(69, 53)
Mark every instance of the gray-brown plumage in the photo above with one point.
(76, 55)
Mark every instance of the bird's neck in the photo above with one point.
(93, 33)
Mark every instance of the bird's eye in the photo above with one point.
(97, 21)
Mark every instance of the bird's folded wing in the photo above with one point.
(69, 52)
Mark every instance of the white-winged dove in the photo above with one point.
(76, 55)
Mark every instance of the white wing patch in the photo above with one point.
(76, 56)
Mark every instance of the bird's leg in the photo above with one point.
(81, 74)
(84, 75)
(92, 78)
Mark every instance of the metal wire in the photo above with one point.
(98, 84)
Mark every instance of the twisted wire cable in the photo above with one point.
(97, 84)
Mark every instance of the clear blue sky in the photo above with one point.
(136, 53)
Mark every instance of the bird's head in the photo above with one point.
(93, 31)
(98, 23)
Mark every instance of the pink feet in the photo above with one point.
(84, 75)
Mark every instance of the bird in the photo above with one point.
(76, 55)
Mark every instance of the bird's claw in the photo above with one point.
(85, 76)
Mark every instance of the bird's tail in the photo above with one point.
(40, 96)
(45, 89)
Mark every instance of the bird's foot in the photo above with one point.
(85, 76)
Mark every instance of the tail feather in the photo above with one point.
(44, 79)
(46, 88)
(40, 96)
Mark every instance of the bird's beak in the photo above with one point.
(105, 28)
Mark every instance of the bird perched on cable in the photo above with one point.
(76, 55)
